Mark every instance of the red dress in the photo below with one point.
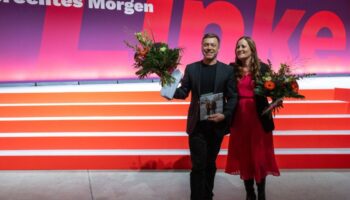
(250, 152)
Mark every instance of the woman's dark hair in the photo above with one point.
(255, 65)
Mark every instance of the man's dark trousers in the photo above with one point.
(204, 145)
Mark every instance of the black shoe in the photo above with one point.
(261, 189)
(249, 188)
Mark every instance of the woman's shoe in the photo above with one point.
(261, 189)
(249, 188)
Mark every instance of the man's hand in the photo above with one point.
(217, 117)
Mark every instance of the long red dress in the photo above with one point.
(250, 152)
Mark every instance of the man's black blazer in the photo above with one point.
(223, 83)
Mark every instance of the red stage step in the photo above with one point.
(60, 130)
(152, 109)
(163, 124)
(313, 160)
(47, 141)
(148, 96)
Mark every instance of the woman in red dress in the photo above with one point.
(250, 152)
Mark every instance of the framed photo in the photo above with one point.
(210, 104)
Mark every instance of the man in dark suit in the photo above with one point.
(205, 137)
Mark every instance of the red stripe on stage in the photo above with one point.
(153, 110)
(143, 96)
(158, 125)
(159, 142)
(157, 162)
(101, 110)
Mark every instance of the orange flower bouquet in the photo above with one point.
(279, 85)
(154, 57)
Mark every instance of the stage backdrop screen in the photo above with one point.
(50, 40)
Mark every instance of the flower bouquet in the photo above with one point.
(154, 57)
(279, 85)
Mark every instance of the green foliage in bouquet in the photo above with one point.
(279, 85)
(154, 57)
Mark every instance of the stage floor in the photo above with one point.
(164, 185)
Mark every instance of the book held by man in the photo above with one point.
(168, 90)
(210, 104)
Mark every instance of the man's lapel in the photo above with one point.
(198, 77)
(217, 77)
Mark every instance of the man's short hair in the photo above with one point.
(211, 35)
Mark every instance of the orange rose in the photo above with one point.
(142, 51)
(269, 85)
(138, 57)
(295, 86)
